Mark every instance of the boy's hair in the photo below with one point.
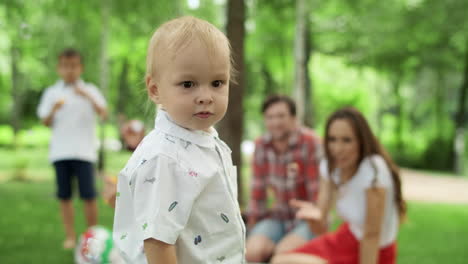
(177, 33)
(277, 98)
(70, 53)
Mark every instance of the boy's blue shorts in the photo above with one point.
(65, 171)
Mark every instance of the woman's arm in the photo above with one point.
(317, 215)
(158, 252)
(375, 208)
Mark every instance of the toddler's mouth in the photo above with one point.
(204, 114)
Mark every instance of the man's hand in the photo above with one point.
(251, 222)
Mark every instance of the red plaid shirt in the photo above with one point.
(289, 175)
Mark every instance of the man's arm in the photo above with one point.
(158, 252)
(311, 170)
(257, 206)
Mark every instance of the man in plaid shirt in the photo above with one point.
(285, 167)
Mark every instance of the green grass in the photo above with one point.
(34, 163)
(31, 231)
(30, 227)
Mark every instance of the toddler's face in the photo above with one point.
(193, 86)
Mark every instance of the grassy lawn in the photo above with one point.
(31, 231)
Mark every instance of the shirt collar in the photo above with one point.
(166, 124)
(62, 83)
(293, 139)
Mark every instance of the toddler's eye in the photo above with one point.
(188, 84)
(217, 83)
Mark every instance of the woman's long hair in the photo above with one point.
(368, 145)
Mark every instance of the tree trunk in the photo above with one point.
(123, 94)
(439, 104)
(309, 103)
(270, 85)
(399, 113)
(460, 119)
(232, 126)
(104, 72)
(16, 94)
(301, 58)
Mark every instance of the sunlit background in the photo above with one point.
(404, 63)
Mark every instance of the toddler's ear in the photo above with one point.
(152, 89)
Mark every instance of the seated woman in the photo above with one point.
(360, 179)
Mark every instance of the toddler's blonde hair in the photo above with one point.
(176, 34)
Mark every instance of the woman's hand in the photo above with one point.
(306, 210)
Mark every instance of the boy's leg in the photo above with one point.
(86, 183)
(68, 215)
(64, 173)
(262, 240)
(90, 208)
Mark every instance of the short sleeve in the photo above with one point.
(97, 96)
(45, 104)
(164, 195)
(323, 169)
(381, 170)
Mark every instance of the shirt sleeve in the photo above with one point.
(97, 96)
(164, 195)
(257, 203)
(45, 104)
(323, 169)
(375, 167)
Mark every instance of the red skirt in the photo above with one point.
(341, 247)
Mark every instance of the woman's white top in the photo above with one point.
(351, 201)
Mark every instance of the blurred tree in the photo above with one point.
(302, 52)
(231, 127)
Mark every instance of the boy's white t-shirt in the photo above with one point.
(351, 200)
(180, 187)
(74, 124)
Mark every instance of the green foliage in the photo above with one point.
(400, 62)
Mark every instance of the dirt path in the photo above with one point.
(418, 186)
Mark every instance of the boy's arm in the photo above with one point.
(49, 118)
(158, 252)
(101, 110)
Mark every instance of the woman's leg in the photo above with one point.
(289, 242)
(297, 258)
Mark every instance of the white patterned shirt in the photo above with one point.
(180, 187)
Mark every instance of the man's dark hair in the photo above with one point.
(70, 53)
(277, 98)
